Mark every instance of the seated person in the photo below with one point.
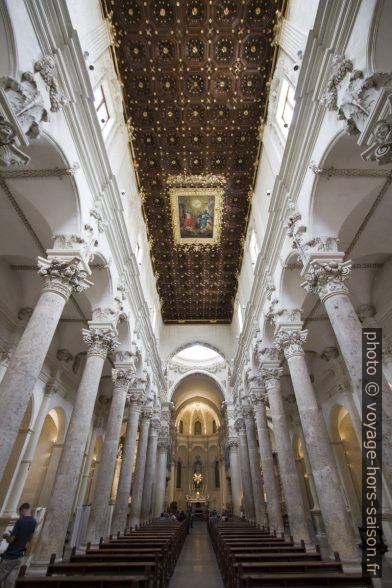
(11, 560)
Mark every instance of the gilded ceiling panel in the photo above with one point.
(195, 77)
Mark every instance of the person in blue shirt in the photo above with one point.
(12, 558)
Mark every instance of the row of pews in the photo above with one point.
(144, 558)
(249, 557)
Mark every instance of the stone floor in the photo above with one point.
(196, 567)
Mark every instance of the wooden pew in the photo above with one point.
(140, 559)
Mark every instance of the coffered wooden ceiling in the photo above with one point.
(195, 75)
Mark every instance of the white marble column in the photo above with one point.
(235, 474)
(254, 461)
(97, 524)
(61, 278)
(59, 510)
(151, 465)
(163, 444)
(138, 483)
(90, 446)
(295, 507)
(325, 277)
(340, 531)
(246, 475)
(12, 504)
(135, 399)
(267, 461)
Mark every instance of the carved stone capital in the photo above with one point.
(239, 424)
(99, 341)
(122, 378)
(135, 398)
(163, 444)
(247, 412)
(269, 354)
(63, 277)
(146, 414)
(326, 278)
(233, 443)
(155, 426)
(291, 343)
(272, 377)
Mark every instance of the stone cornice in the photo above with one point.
(330, 34)
(55, 34)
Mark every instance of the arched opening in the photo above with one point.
(348, 458)
(197, 400)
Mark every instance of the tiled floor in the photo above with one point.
(196, 566)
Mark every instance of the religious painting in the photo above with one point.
(196, 215)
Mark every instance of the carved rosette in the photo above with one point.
(272, 377)
(326, 278)
(291, 343)
(99, 342)
(63, 277)
(122, 378)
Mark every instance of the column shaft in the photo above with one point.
(100, 503)
(235, 476)
(338, 525)
(128, 459)
(12, 503)
(246, 475)
(24, 368)
(267, 461)
(138, 483)
(150, 471)
(288, 471)
(254, 461)
(161, 479)
(60, 505)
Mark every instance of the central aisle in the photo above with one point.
(196, 566)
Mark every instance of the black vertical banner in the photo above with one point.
(371, 451)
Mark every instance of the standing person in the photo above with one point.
(11, 560)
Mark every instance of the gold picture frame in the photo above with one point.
(196, 215)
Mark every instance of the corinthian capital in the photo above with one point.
(247, 412)
(233, 442)
(291, 342)
(147, 413)
(155, 426)
(272, 376)
(63, 277)
(325, 278)
(99, 341)
(122, 378)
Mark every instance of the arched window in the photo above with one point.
(197, 428)
(181, 427)
(214, 426)
(217, 476)
(178, 481)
